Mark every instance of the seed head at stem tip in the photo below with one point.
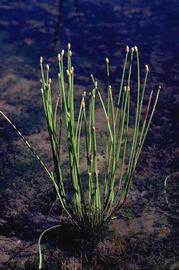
(127, 49)
(107, 60)
(92, 77)
(72, 70)
(147, 68)
(41, 59)
(68, 72)
(135, 48)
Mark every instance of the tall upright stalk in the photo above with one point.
(95, 202)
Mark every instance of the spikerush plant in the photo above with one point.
(89, 208)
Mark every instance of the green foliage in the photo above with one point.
(98, 195)
(94, 203)
(104, 196)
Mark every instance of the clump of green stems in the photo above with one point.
(91, 207)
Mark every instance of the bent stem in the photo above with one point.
(39, 242)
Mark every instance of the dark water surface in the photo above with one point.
(96, 29)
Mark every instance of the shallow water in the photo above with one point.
(96, 30)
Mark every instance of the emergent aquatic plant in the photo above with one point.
(97, 197)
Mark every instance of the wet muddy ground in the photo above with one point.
(145, 234)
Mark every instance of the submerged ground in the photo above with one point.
(145, 235)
